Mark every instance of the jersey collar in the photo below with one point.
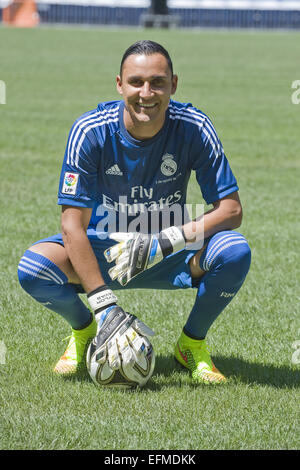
(130, 138)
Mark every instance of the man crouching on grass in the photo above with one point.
(141, 150)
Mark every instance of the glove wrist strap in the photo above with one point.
(171, 240)
(101, 298)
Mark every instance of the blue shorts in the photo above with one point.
(173, 272)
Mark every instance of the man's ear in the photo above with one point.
(119, 85)
(174, 84)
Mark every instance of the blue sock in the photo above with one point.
(47, 284)
(226, 259)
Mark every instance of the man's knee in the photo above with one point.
(31, 273)
(26, 279)
(57, 254)
(237, 261)
(38, 275)
(230, 253)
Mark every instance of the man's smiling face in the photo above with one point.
(146, 85)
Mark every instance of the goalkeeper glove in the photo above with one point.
(137, 252)
(121, 337)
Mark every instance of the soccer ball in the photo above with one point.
(128, 376)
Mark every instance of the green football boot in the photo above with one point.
(74, 355)
(194, 355)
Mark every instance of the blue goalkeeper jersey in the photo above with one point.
(131, 184)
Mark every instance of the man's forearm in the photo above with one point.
(226, 215)
(83, 259)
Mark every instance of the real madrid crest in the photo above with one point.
(168, 166)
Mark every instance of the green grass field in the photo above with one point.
(243, 82)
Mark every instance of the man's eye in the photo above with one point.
(158, 82)
(136, 83)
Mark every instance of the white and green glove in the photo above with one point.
(137, 252)
(121, 337)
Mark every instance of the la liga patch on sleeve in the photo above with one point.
(70, 183)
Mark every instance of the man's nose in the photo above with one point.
(145, 90)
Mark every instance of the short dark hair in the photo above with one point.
(148, 48)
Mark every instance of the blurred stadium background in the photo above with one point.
(162, 13)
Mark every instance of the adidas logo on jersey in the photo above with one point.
(114, 170)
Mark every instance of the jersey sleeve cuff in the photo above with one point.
(221, 194)
(64, 201)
